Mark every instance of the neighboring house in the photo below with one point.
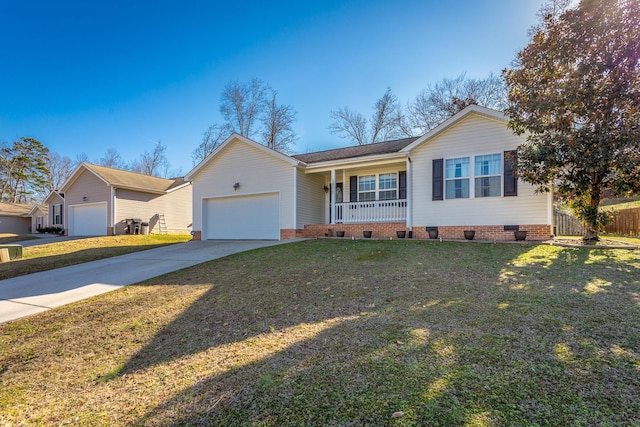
(39, 217)
(55, 208)
(14, 218)
(99, 200)
(456, 177)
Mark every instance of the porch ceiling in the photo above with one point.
(355, 165)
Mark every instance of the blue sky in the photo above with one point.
(85, 76)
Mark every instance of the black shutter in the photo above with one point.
(402, 185)
(353, 188)
(438, 180)
(510, 181)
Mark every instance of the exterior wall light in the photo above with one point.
(236, 186)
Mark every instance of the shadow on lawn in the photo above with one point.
(449, 334)
(21, 267)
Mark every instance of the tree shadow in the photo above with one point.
(516, 335)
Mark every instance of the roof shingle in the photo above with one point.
(355, 151)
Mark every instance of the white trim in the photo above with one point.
(295, 198)
(332, 192)
(113, 210)
(409, 190)
(472, 176)
(361, 162)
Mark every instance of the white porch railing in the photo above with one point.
(374, 211)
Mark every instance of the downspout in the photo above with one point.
(409, 197)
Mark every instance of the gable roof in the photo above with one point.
(385, 147)
(245, 140)
(471, 109)
(15, 209)
(128, 180)
(52, 195)
(43, 208)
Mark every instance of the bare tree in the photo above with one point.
(437, 103)
(152, 163)
(241, 105)
(250, 109)
(349, 124)
(112, 159)
(80, 158)
(60, 169)
(385, 123)
(212, 137)
(385, 120)
(277, 125)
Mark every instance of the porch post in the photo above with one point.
(409, 196)
(333, 196)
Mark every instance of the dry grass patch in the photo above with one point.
(343, 333)
(70, 252)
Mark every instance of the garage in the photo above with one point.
(243, 217)
(88, 220)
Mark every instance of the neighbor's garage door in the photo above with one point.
(88, 220)
(243, 217)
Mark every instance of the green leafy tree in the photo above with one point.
(575, 92)
(24, 174)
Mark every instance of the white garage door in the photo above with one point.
(243, 217)
(88, 220)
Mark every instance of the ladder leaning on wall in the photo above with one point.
(162, 224)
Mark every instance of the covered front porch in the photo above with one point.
(367, 192)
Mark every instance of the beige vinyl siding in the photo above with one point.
(257, 172)
(471, 136)
(15, 224)
(55, 200)
(310, 199)
(176, 207)
(90, 186)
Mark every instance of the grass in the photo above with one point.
(627, 205)
(62, 254)
(348, 333)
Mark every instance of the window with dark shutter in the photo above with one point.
(510, 181)
(402, 185)
(353, 188)
(438, 180)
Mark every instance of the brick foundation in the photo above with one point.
(197, 235)
(288, 233)
(388, 230)
(110, 231)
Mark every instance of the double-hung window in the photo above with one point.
(57, 214)
(388, 186)
(457, 178)
(488, 173)
(366, 188)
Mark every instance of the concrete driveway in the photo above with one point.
(34, 293)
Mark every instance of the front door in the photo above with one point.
(338, 200)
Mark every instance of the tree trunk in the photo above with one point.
(592, 217)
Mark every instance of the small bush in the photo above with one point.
(55, 230)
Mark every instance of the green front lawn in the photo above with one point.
(348, 333)
(62, 254)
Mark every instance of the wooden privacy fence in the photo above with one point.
(566, 225)
(626, 222)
